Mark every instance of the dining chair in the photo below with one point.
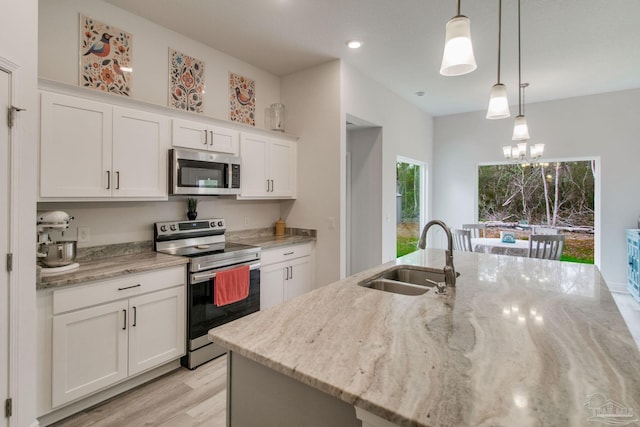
(544, 230)
(461, 240)
(546, 246)
(477, 230)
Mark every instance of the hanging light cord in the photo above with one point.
(499, 35)
(520, 90)
(458, 8)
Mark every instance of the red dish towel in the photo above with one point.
(231, 286)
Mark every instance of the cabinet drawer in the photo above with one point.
(113, 289)
(283, 253)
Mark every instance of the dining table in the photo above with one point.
(495, 245)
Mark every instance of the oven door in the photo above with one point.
(201, 172)
(203, 314)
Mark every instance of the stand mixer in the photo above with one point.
(55, 256)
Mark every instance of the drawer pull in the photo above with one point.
(130, 287)
(288, 253)
(124, 325)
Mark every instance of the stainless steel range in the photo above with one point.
(204, 242)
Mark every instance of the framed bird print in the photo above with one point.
(242, 99)
(105, 57)
(186, 82)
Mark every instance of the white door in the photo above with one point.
(253, 150)
(281, 168)
(156, 328)
(140, 143)
(272, 285)
(5, 206)
(75, 147)
(299, 278)
(89, 350)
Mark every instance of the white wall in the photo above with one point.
(19, 44)
(406, 131)
(58, 55)
(604, 126)
(312, 98)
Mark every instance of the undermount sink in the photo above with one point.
(406, 280)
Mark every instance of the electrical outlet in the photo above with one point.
(331, 222)
(83, 234)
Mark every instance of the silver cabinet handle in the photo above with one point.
(291, 275)
(272, 186)
(117, 180)
(135, 315)
(108, 180)
(124, 325)
(288, 253)
(268, 186)
(211, 140)
(206, 137)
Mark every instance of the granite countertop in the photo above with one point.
(110, 267)
(519, 341)
(265, 238)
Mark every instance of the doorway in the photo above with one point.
(363, 196)
(410, 204)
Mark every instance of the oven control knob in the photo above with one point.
(220, 223)
(213, 225)
(163, 228)
(173, 227)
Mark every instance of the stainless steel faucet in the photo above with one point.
(449, 270)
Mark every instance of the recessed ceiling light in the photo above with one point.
(354, 44)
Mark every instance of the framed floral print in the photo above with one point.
(242, 99)
(186, 82)
(105, 57)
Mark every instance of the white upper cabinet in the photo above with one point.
(201, 136)
(93, 150)
(268, 167)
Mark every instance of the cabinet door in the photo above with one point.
(282, 172)
(223, 140)
(254, 152)
(156, 328)
(75, 147)
(189, 134)
(89, 350)
(298, 279)
(140, 144)
(272, 285)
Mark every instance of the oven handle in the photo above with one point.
(208, 275)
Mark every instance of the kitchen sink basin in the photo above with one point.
(406, 280)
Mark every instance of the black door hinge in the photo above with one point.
(8, 407)
(11, 115)
(9, 262)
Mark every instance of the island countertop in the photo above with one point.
(518, 341)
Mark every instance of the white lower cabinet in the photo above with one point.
(286, 272)
(107, 331)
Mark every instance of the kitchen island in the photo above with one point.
(518, 341)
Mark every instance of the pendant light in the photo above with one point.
(520, 128)
(458, 58)
(498, 102)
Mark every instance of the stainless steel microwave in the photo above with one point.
(203, 172)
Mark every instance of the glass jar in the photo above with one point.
(277, 117)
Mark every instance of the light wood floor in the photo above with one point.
(182, 398)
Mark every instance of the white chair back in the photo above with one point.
(546, 246)
(544, 230)
(477, 230)
(461, 240)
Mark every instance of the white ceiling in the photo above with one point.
(569, 47)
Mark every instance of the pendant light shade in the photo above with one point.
(458, 58)
(520, 129)
(498, 102)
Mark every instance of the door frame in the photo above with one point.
(13, 156)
